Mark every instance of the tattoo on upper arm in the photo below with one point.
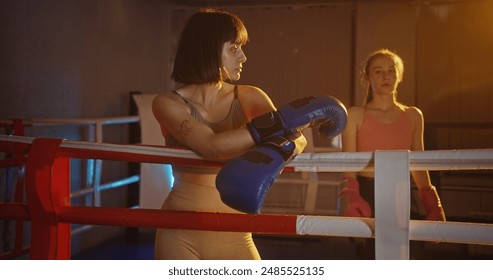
(185, 128)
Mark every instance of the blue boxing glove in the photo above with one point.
(324, 111)
(243, 182)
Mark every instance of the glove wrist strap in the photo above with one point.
(285, 146)
(265, 126)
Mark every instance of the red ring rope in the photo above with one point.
(47, 175)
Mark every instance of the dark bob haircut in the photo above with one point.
(198, 55)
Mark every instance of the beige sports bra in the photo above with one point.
(236, 118)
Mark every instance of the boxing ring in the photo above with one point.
(47, 177)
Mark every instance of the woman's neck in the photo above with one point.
(202, 90)
(383, 103)
(205, 93)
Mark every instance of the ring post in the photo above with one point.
(48, 189)
(392, 205)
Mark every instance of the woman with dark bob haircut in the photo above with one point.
(198, 56)
(207, 113)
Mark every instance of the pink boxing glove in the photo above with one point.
(431, 202)
(350, 203)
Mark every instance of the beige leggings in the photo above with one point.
(178, 244)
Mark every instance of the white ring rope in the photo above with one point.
(76, 121)
(469, 159)
(334, 226)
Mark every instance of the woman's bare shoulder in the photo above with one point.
(168, 98)
(251, 91)
(168, 102)
(254, 101)
(414, 113)
(356, 111)
(355, 116)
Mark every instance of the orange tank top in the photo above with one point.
(375, 135)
